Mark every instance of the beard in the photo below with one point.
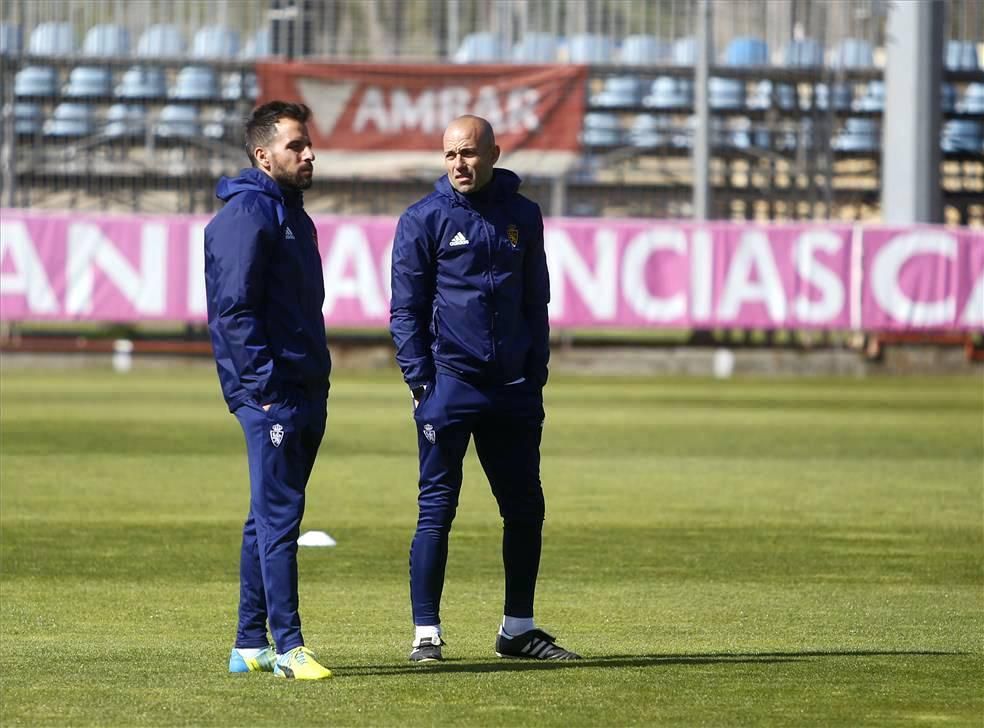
(298, 180)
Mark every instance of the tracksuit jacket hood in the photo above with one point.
(265, 291)
(470, 286)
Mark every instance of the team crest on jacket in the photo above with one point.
(429, 433)
(512, 232)
(277, 434)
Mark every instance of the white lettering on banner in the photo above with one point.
(597, 291)
(637, 294)
(831, 302)
(29, 278)
(701, 270)
(973, 314)
(350, 249)
(385, 269)
(144, 288)
(885, 279)
(431, 109)
(196, 270)
(754, 252)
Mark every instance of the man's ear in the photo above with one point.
(495, 154)
(262, 158)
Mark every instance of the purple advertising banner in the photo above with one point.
(604, 273)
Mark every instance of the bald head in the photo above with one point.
(470, 153)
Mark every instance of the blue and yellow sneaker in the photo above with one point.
(252, 659)
(299, 664)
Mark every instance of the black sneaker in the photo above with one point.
(533, 645)
(428, 649)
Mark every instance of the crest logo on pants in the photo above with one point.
(277, 434)
(430, 434)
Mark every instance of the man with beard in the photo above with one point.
(265, 292)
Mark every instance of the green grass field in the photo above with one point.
(750, 552)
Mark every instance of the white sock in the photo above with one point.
(425, 631)
(248, 653)
(512, 626)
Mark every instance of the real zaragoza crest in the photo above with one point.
(512, 232)
(277, 434)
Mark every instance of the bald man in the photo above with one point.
(469, 320)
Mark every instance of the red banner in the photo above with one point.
(405, 108)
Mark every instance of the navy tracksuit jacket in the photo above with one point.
(265, 290)
(468, 316)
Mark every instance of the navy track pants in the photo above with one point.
(281, 445)
(506, 422)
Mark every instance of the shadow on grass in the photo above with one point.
(619, 661)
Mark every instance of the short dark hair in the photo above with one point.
(261, 126)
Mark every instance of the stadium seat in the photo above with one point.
(215, 41)
(126, 121)
(28, 119)
(106, 40)
(590, 48)
(36, 81)
(960, 55)
(86, 81)
(649, 131)
(601, 129)
(259, 45)
(972, 101)
(668, 92)
(853, 53)
(142, 82)
(962, 135)
(873, 98)
(52, 39)
(10, 39)
(685, 51)
(71, 120)
(619, 91)
(177, 122)
(240, 86)
(645, 50)
(536, 48)
(767, 95)
(839, 99)
(480, 48)
(725, 93)
(196, 83)
(803, 53)
(746, 51)
(859, 134)
(221, 124)
(161, 41)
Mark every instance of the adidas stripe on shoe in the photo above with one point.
(533, 645)
(252, 660)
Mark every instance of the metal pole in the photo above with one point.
(702, 133)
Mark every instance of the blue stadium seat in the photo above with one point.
(972, 101)
(685, 51)
(645, 50)
(803, 53)
(36, 81)
(725, 93)
(873, 98)
(960, 55)
(858, 135)
(619, 91)
(590, 48)
(161, 41)
(601, 129)
(747, 51)
(767, 95)
(106, 40)
(259, 45)
(177, 122)
(962, 135)
(70, 121)
(222, 125)
(86, 81)
(240, 86)
(142, 82)
(480, 48)
(215, 41)
(854, 53)
(196, 83)
(28, 119)
(126, 121)
(839, 99)
(536, 48)
(52, 39)
(649, 130)
(668, 92)
(11, 39)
